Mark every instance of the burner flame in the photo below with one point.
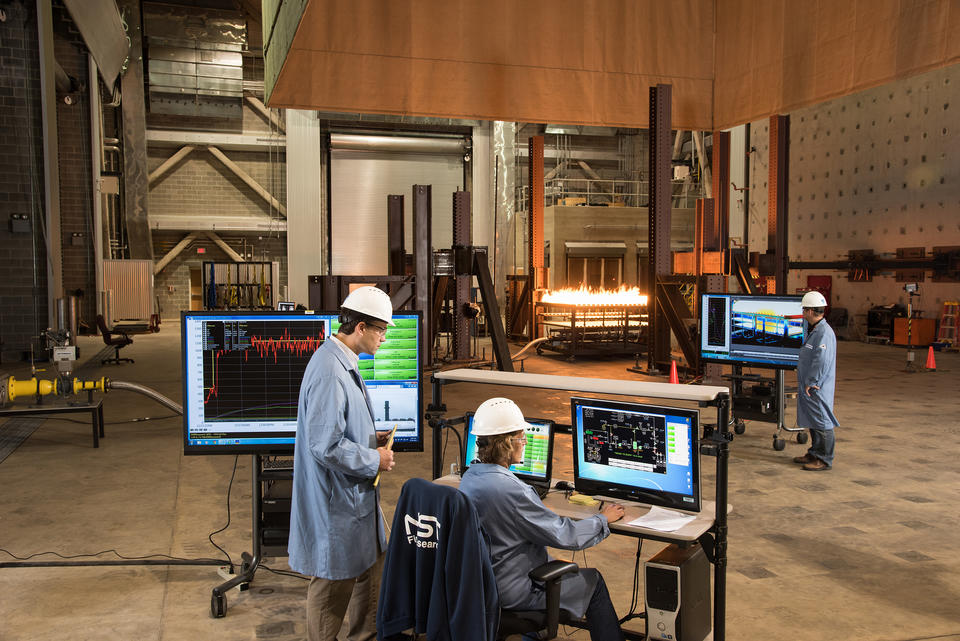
(596, 297)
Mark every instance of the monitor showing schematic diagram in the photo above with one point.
(242, 373)
(637, 452)
(765, 331)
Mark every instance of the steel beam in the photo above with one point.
(535, 245)
(169, 163)
(462, 237)
(721, 191)
(227, 249)
(266, 112)
(778, 182)
(658, 336)
(173, 253)
(248, 179)
(134, 139)
(397, 253)
(423, 263)
(236, 142)
(501, 350)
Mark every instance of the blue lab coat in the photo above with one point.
(817, 366)
(519, 527)
(336, 529)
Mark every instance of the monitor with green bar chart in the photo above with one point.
(537, 453)
(242, 373)
(644, 453)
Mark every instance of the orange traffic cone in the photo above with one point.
(931, 363)
(673, 373)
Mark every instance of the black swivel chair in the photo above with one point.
(406, 571)
(115, 340)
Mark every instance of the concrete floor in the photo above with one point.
(867, 551)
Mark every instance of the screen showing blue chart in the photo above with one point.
(242, 374)
(753, 330)
(537, 453)
(639, 452)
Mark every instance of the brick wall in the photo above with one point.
(172, 285)
(23, 275)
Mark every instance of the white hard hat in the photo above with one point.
(498, 416)
(370, 301)
(813, 299)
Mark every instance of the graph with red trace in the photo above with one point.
(252, 369)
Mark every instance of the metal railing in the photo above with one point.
(605, 193)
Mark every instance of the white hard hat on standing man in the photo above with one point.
(370, 301)
(813, 299)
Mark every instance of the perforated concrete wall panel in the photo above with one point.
(875, 170)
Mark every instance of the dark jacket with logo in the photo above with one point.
(437, 577)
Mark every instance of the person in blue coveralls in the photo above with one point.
(337, 532)
(520, 526)
(816, 376)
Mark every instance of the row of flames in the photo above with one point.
(584, 296)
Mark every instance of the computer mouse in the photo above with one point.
(565, 486)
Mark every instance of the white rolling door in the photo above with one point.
(360, 184)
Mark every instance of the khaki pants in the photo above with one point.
(328, 601)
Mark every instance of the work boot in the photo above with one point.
(806, 458)
(816, 466)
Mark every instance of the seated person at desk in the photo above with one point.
(520, 526)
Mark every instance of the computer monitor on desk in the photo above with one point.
(637, 452)
(537, 455)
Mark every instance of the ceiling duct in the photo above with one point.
(195, 60)
(99, 23)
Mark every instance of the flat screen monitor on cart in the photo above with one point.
(644, 453)
(764, 331)
(242, 373)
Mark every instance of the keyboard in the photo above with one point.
(277, 463)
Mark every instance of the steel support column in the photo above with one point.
(537, 276)
(658, 341)
(462, 237)
(777, 205)
(423, 263)
(397, 253)
(135, 179)
(721, 193)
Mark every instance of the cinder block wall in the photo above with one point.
(23, 273)
(875, 170)
(172, 285)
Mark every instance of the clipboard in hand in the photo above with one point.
(389, 446)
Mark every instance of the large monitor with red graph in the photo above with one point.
(242, 374)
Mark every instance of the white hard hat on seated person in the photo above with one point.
(370, 301)
(813, 299)
(498, 416)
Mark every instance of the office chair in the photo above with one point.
(437, 547)
(115, 340)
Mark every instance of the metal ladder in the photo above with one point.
(947, 334)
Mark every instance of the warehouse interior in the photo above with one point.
(230, 156)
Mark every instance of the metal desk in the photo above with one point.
(94, 407)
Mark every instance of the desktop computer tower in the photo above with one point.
(677, 587)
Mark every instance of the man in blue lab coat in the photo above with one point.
(337, 533)
(817, 375)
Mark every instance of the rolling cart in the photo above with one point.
(759, 398)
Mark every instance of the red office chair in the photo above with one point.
(115, 340)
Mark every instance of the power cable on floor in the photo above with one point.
(229, 488)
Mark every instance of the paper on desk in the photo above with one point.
(662, 520)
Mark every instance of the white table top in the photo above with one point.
(556, 502)
(699, 393)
